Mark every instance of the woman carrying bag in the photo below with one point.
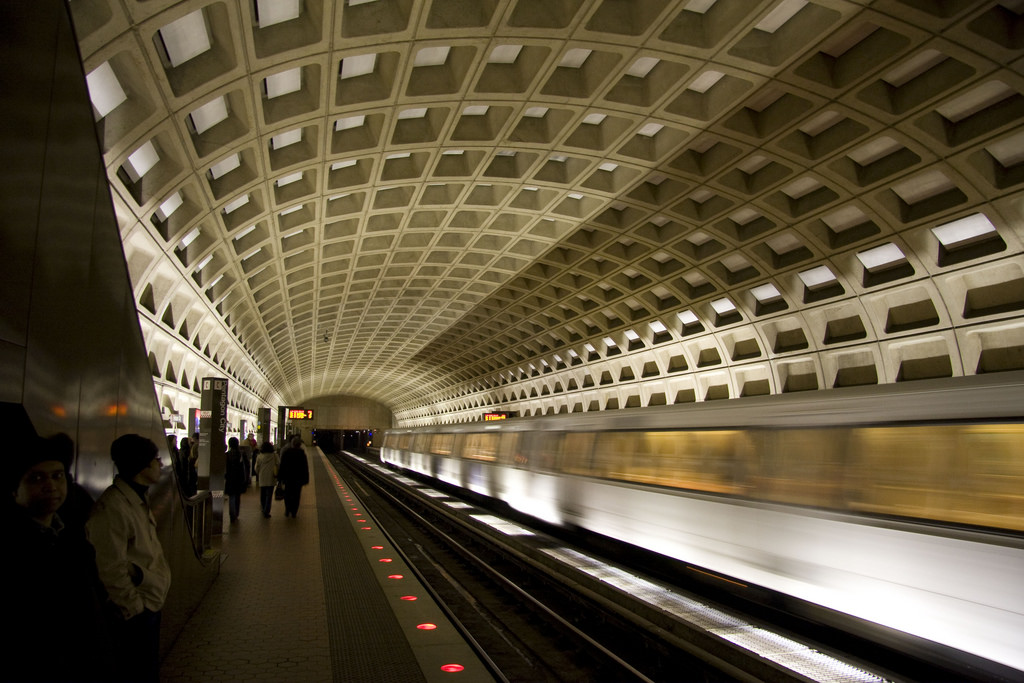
(266, 475)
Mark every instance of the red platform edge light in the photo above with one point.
(408, 598)
(395, 576)
(385, 559)
(426, 627)
(376, 547)
(452, 668)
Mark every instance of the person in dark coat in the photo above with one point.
(55, 600)
(293, 473)
(192, 482)
(234, 478)
(78, 504)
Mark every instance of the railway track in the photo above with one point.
(537, 620)
(512, 611)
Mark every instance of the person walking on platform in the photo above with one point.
(130, 559)
(293, 474)
(234, 478)
(266, 475)
(54, 602)
(254, 451)
(248, 462)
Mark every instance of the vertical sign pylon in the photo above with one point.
(264, 435)
(213, 434)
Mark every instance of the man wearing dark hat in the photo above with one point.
(54, 597)
(130, 558)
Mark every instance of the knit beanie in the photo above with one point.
(28, 452)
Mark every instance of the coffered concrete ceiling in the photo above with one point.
(452, 206)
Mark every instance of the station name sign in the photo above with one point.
(300, 414)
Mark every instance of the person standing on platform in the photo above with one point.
(54, 602)
(193, 465)
(254, 451)
(248, 462)
(234, 478)
(181, 466)
(293, 474)
(130, 559)
(78, 504)
(266, 475)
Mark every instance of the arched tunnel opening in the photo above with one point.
(333, 441)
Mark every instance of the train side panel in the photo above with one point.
(962, 592)
(901, 506)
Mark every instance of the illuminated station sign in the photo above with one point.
(491, 417)
(300, 414)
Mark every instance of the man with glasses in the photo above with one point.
(130, 559)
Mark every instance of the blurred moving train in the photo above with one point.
(900, 504)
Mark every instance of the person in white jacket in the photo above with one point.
(266, 475)
(130, 559)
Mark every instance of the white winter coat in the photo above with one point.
(266, 469)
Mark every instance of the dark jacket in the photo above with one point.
(54, 603)
(294, 468)
(234, 473)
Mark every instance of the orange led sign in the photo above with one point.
(300, 414)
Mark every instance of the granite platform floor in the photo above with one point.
(297, 599)
(264, 618)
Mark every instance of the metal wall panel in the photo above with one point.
(71, 348)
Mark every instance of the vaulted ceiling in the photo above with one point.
(451, 206)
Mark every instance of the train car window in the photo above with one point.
(613, 454)
(482, 446)
(442, 444)
(528, 443)
(964, 474)
(712, 461)
(541, 450)
(992, 461)
(404, 441)
(508, 448)
(420, 442)
(577, 453)
(648, 456)
(801, 466)
(899, 470)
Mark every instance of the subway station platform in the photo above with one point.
(321, 597)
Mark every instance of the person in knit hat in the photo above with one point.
(36, 474)
(130, 559)
(54, 594)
